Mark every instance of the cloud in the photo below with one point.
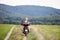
(50, 3)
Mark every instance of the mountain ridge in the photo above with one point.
(36, 14)
(29, 10)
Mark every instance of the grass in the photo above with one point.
(50, 31)
(4, 28)
(31, 35)
(17, 34)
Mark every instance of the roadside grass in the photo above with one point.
(17, 33)
(31, 35)
(4, 29)
(50, 32)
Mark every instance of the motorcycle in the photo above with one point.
(25, 29)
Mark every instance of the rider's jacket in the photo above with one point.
(25, 23)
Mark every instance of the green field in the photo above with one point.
(17, 33)
(50, 32)
(4, 28)
(37, 32)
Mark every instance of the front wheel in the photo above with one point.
(26, 32)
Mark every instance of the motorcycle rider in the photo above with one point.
(25, 23)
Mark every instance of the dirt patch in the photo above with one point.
(25, 38)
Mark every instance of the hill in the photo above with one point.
(9, 13)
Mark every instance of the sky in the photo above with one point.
(48, 3)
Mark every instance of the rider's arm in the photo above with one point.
(29, 26)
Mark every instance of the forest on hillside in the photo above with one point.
(35, 20)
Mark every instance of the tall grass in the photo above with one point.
(31, 35)
(17, 33)
(4, 29)
(50, 32)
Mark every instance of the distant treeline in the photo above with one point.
(36, 20)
